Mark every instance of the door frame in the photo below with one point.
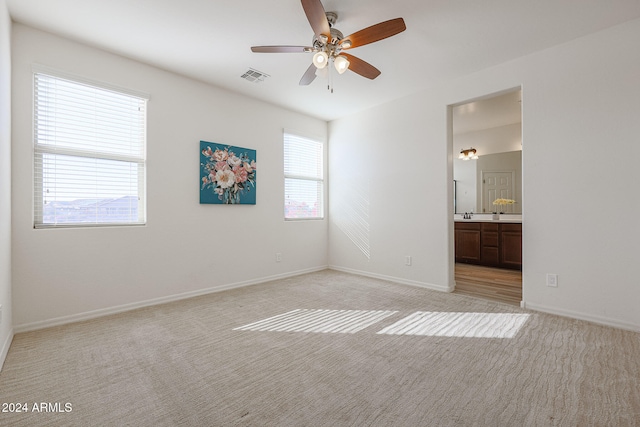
(450, 188)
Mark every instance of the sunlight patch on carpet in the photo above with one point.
(468, 325)
(323, 321)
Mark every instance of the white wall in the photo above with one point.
(62, 275)
(6, 331)
(498, 139)
(580, 155)
(391, 160)
(465, 173)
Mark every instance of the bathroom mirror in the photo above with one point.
(493, 126)
(479, 182)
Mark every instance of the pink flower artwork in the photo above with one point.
(227, 174)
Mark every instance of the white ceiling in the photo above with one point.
(210, 40)
(486, 113)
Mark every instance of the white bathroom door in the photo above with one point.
(497, 185)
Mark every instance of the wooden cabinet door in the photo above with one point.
(511, 246)
(467, 243)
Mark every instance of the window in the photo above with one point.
(89, 154)
(303, 182)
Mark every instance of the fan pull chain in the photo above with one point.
(330, 78)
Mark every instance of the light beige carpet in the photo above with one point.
(325, 349)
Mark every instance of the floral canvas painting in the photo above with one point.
(227, 174)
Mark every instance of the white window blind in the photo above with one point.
(303, 178)
(89, 154)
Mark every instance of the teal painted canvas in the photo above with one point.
(227, 174)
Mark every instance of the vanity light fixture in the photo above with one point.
(468, 154)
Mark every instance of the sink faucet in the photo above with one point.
(467, 215)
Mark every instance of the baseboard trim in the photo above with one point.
(581, 316)
(28, 327)
(399, 280)
(5, 348)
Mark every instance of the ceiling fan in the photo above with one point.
(329, 44)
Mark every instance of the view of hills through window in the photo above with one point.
(108, 210)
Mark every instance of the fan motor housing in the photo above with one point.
(332, 17)
(336, 35)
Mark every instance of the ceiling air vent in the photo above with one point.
(254, 76)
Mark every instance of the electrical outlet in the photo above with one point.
(552, 280)
(278, 257)
(407, 260)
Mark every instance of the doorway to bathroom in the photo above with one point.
(487, 172)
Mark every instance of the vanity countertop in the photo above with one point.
(504, 219)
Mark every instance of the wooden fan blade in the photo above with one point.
(308, 75)
(317, 17)
(375, 33)
(281, 49)
(361, 67)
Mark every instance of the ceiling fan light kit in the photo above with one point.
(341, 63)
(320, 59)
(328, 43)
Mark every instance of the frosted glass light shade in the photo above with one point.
(341, 63)
(320, 59)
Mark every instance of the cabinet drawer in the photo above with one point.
(467, 226)
(489, 238)
(490, 227)
(512, 227)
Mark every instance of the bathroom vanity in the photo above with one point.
(492, 243)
